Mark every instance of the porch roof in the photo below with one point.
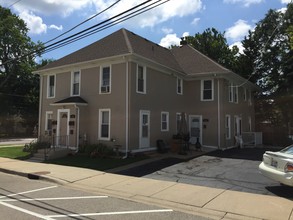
(74, 100)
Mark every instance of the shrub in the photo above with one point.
(98, 150)
(34, 146)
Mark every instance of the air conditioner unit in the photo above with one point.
(105, 89)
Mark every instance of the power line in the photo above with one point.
(13, 3)
(75, 35)
(71, 29)
(112, 23)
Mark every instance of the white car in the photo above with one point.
(278, 165)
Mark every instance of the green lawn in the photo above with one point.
(14, 152)
(84, 161)
(78, 160)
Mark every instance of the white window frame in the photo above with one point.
(167, 121)
(233, 93)
(48, 86)
(72, 82)
(179, 86)
(228, 126)
(144, 79)
(203, 89)
(49, 115)
(105, 89)
(100, 124)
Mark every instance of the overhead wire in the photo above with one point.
(81, 23)
(263, 47)
(112, 23)
(46, 48)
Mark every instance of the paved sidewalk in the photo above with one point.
(197, 200)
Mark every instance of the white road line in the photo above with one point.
(51, 199)
(111, 213)
(26, 211)
(35, 190)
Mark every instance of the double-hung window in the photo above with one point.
(207, 90)
(104, 124)
(233, 93)
(179, 86)
(165, 121)
(75, 79)
(141, 79)
(51, 86)
(105, 79)
(48, 122)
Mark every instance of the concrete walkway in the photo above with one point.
(197, 200)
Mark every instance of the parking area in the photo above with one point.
(234, 169)
(21, 198)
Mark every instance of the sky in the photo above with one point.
(164, 25)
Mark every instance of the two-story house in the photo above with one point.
(128, 89)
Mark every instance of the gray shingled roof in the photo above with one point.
(184, 59)
(193, 62)
(119, 43)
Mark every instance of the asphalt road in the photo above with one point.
(25, 199)
(234, 169)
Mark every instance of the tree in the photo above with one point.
(268, 61)
(214, 44)
(19, 88)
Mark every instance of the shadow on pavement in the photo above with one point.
(281, 191)
(254, 154)
(151, 167)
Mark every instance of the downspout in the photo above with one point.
(219, 116)
(40, 105)
(126, 111)
(77, 127)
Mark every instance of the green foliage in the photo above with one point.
(19, 88)
(268, 62)
(34, 146)
(98, 150)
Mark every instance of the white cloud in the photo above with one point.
(34, 23)
(172, 40)
(155, 16)
(238, 31)
(195, 21)
(185, 34)
(53, 26)
(169, 40)
(239, 45)
(160, 14)
(285, 1)
(246, 3)
(51, 7)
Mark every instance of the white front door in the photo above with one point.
(63, 127)
(144, 129)
(195, 128)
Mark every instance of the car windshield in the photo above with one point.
(288, 150)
